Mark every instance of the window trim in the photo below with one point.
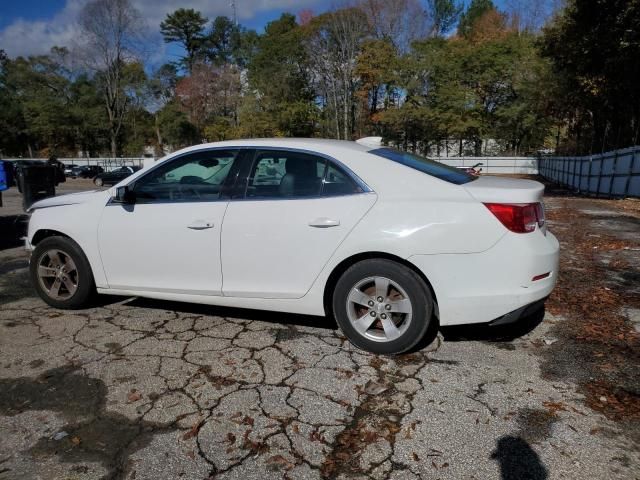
(241, 190)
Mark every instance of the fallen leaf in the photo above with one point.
(134, 396)
(280, 460)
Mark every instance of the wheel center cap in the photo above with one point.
(380, 307)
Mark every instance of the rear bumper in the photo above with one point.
(518, 314)
(485, 287)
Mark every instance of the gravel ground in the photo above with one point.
(142, 389)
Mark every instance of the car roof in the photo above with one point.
(315, 144)
(380, 174)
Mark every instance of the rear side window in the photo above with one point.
(424, 165)
(336, 182)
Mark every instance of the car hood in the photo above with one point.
(68, 199)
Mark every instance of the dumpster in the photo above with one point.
(37, 182)
(4, 180)
(4, 175)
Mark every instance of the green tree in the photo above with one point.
(376, 67)
(594, 49)
(175, 128)
(475, 10)
(186, 27)
(279, 72)
(444, 15)
(223, 41)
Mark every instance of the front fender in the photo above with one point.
(78, 222)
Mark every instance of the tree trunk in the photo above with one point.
(160, 149)
(114, 144)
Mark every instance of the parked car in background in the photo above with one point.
(385, 241)
(86, 171)
(114, 176)
(68, 169)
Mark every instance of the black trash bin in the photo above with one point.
(36, 182)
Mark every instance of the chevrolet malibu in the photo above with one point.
(384, 241)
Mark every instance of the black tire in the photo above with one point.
(85, 290)
(416, 290)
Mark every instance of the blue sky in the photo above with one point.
(30, 27)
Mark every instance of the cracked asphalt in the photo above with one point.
(139, 389)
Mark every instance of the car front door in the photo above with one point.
(168, 240)
(296, 211)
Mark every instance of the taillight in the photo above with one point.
(518, 217)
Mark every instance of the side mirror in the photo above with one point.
(124, 195)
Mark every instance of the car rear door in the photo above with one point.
(296, 210)
(169, 239)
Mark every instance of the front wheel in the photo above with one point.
(61, 274)
(382, 306)
(98, 182)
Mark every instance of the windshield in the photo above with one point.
(424, 165)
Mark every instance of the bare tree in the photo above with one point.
(111, 39)
(531, 15)
(333, 45)
(399, 21)
(210, 92)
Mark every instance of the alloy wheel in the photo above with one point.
(57, 274)
(379, 309)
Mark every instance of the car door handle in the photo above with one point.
(324, 222)
(200, 225)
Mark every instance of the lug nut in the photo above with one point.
(371, 303)
(387, 306)
(373, 314)
(380, 299)
(383, 316)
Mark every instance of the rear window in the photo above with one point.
(424, 165)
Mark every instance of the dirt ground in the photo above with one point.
(142, 389)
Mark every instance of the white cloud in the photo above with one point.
(32, 37)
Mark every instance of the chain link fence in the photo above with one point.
(108, 164)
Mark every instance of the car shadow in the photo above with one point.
(495, 333)
(237, 313)
(12, 229)
(459, 333)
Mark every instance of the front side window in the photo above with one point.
(424, 165)
(277, 174)
(195, 177)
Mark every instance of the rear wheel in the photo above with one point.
(382, 306)
(61, 274)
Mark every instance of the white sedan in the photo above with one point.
(385, 241)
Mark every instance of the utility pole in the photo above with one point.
(235, 16)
